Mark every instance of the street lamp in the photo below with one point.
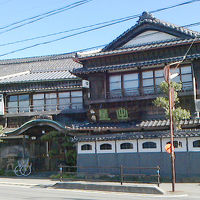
(168, 77)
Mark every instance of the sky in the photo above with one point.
(92, 12)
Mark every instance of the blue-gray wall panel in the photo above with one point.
(187, 163)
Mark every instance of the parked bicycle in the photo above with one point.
(23, 167)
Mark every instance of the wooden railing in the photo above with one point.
(140, 92)
(41, 108)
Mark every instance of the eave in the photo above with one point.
(141, 48)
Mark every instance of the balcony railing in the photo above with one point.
(142, 92)
(45, 108)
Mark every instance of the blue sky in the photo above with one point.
(93, 12)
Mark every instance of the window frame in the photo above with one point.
(127, 145)
(180, 149)
(92, 151)
(99, 143)
(86, 149)
(122, 91)
(18, 102)
(190, 144)
(157, 141)
(147, 145)
(195, 142)
(105, 145)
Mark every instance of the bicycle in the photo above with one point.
(23, 168)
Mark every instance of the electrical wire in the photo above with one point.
(49, 12)
(115, 22)
(185, 55)
(42, 16)
(82, 2)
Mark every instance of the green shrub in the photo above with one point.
(2, 172)
(9, 173)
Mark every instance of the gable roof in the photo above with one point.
(145, 23)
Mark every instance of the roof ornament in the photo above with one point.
(145, 16)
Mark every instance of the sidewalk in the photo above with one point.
(164, 189)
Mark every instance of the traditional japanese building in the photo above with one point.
(113, 119)
(124, 127)
(38, 95)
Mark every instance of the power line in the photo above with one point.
(75, 29)
(57, 33)
(49, 12)
(115, 22)
(193, 24)
(42, 16)
(75, 5)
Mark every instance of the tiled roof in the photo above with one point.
(103, 125)
(133, 65)
(147, 19)
(38, 76)
(138, 135)
(40, 86)
(38, 64)
(143, 47)
(134, 126)
(162, 123)
(37, 58)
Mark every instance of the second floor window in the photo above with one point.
(18, 103)
(38, 102)
(184, 76)
(148, 82)
(45, 102)
(124, 85)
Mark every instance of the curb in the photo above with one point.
(111, 188)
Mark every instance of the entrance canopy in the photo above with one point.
(37, 124)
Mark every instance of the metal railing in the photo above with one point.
(116, 174)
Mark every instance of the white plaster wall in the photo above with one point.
(149, 36)
(119, 142)
(180, 149)
(105, 142)
(86, 151)
(141, 141)
(190, 144)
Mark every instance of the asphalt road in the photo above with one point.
(19, 192)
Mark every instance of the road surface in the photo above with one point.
(20, 192)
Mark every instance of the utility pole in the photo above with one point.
(171, 105)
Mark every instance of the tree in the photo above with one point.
(61, 141)
(163, 102)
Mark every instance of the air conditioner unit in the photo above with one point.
(1, 105)
(197, 105)
(85, 84)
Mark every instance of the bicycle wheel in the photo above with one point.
(25, 171)
(17, 171)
